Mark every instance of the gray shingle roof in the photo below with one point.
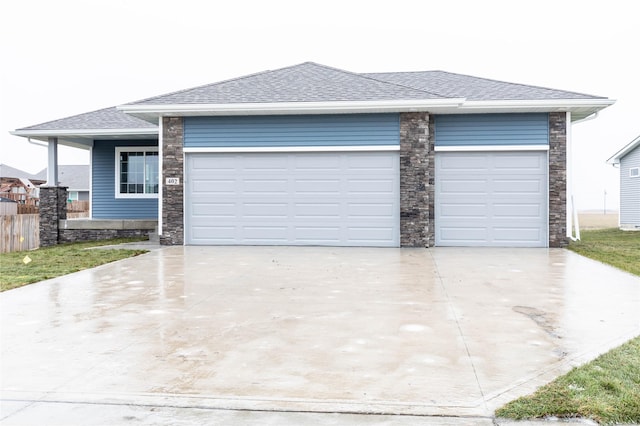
(12, 172)
(311, 82)
(306, 82)
(107, 118)
(74, 176)
(453, 85)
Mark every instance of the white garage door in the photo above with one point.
(491, 199)
(333, 199)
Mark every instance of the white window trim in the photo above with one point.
(636, 174)
(470, 148)
(120, 149)
(341, 148)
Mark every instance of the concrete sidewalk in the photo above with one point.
(303, 335)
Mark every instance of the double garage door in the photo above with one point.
(353, 199)
(293, 198)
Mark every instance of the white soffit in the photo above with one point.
(579, 108)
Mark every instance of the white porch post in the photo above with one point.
(52, 164)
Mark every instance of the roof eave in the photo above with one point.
(615, 159)
(83, 132)
(580, 108)
(152, 112)
(83, 138)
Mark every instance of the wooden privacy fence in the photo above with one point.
(77, 209)
(27, 209)
(19, 232)
(78, 206)
(8, 208)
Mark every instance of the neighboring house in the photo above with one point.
(313, 155)
(628, 159)
(74, 177)
(18, 185)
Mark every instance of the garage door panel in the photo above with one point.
(317, 186)
(264, 186)
(257, 163)
(518, 235)
(371, 186)
(384, 211)
(463, 186)
(464, 163)
(314, 234)
(310, 163)
(265, 210)
(520, 162)
(258, 233)
(215, 165)
(465, 234)
(211, 210)
(214, 186)
(215, 232)
(371, 164)
(366, 235)
(454, 211)
(519, 212)
(504, 204)
(317, 210)
(518, 186)
(339, 199)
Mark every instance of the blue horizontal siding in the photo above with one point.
(104, 204)
(292, 130)
(492, 129)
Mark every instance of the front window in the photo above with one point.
(137, 172)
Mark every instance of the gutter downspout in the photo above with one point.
(52, 159)
(587, 118)
(37, 143)
(572, 212)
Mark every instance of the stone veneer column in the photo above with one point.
(172, 195)
(416, 180)
(558, 179)
(52, 209)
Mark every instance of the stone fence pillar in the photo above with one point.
(53, 208)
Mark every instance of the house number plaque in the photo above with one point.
(172, 181)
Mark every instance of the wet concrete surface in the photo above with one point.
(298, 335)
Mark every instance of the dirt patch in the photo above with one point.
(598, 220)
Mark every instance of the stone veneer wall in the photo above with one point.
(416, 180)
(77, 235)
(53, 208)
(431, 184)
(172, 195)
(558, 179)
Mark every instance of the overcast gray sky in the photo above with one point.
(65, 57)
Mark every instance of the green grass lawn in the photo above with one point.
(613, 246)
(51, 262)
(607, 389)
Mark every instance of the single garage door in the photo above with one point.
(491, 199)
(293, 198)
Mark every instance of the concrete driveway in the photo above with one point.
(227, 333)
